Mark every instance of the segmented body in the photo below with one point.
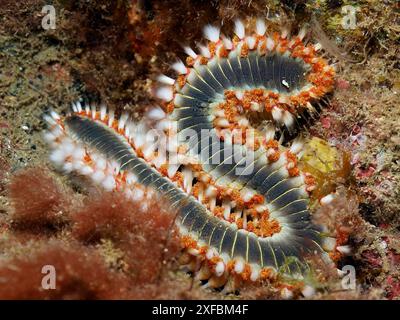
(242, 202)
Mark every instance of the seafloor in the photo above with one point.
(112, 50)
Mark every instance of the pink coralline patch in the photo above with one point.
(342, 84)
(372, 258)
(365, 173)
(326, 122)
(393, 289)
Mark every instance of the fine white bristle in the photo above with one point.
(329, 243)
(98, 176)
(288, 119)
(251, 42)
(122, 120)
(255, 273)
(219, 268)
(165, 93)
(93, 109)
(74, 108)
(204, 51)
(308, 291)
(187, 179)
(103, 111)
(302, 33)
(227, 43)
(277, 114)
(269, 132)
(79, 106)
(172, 169)
(111, 115)
(156, 114)
(86, 170)
(179, 67)
(109, 183)
(189, 51)
(327, 199)
(270, 44)
(49, 120)
(54, 115)
(297, 146)
(211, 33)
(165, 79)
(286, 294)
(239, 29)
(260, 27)
(345, 250)
(239, 266)
(87, 109)
(57, 156)
(101, 164)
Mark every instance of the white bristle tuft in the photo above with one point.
(172, 169)
(302, 33)
(189, 51)
(137, 194)
(79, 106)
(269, 132)
(308, 291)
(86, 170)
(101, 164)
(179, 67)
(255, 273)
(54, 115)
(103, 111)
(345, 250)
(260, 27)
(318, 46)
(57, 156)
(329, 243)
(239, 29)
(93, 109)
(211, 33)
(288, 119)
(286, 294)
(251, 42)
(156, 114)
(165, 79)
(187, 179)
(205, 51)
(165, 93)
(87, 109)
(297, 146)
(49, 137)
(131, 178)
(270, 44)
(111, 114)
(327, 199)
(109, 183)
(122, 120)
(67, 167)
(239, 266)
(239, 94)
(78, 153)
(49, 120)
(227, 43)
(277, 114)
(219, 269)
(74, 108)
(98, 176)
